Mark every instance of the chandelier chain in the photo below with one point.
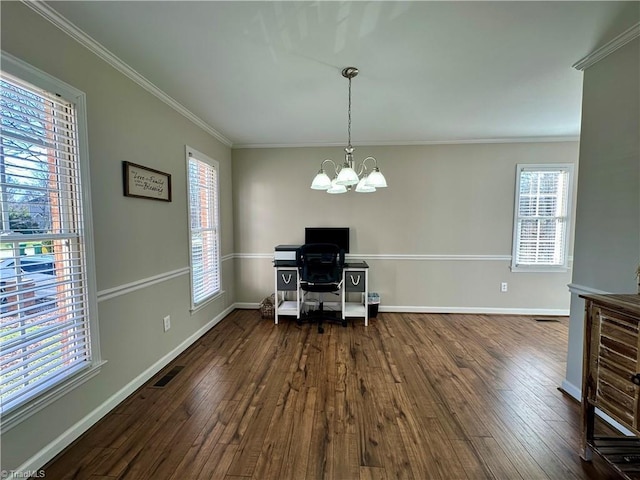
(349, 126)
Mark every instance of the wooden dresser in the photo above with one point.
(611, 379)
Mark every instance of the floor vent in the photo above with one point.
(168, 377)
(546, 319)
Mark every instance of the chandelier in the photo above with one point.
(366, 180)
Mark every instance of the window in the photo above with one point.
(541, 224)
(47, 335)
(204, 222)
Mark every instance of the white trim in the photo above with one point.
(207, 302)
(584, 290)
(14, 418)
(540, 269)
(571, 390)
(75, 431)
(471, 141)
(95, 47)
(541, 167)
(267, 256)
(247, 305)
(42, 79)
(396, 256)
(556, 312)
(608, 48)
(98, 49)
(559, 312)
(213, 170)
(71, 434)
(576, 393)
(123, 289)
(429, 257)
(138, 284)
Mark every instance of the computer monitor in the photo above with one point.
(336, 235)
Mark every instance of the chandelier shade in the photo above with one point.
(321, 181)
(376, 179)
(336, 188)
(347, 176)
(363, 186)
(367, 179)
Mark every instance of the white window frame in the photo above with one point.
(213, 208)
(76, 376)
(565, 216)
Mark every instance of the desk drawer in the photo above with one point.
(354, 280)
(287, 279)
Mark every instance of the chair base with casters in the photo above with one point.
(320, 268)
(319, 315)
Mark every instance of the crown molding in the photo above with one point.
(92, 45)
(610, 47)
(472, 141)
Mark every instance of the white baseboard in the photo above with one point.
(475, 310)
(576, 393)
(462, 310)
(247, 305)
(571, 389)
(70, 435)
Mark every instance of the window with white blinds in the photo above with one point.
(45, 329)
(541, 224)
(203, 226)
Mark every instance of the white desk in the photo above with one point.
(288, 295)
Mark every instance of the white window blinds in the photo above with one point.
(44, 325)
(541, 216)
(204, 226)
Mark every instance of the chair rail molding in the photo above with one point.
(396, 256)
(138, 284)
(147, 282)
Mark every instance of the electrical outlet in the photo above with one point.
(504, 287)
(167, 322)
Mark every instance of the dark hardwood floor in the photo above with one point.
(413, 396)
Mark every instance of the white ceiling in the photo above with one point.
(268, 73)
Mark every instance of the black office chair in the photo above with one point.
(320, 268)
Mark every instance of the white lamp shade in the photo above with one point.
(376, 179)
(321, 181)
(335, 188)
(363, 187)
(347, 176)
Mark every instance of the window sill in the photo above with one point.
(21, 413)
(205, 303)
(539, 269)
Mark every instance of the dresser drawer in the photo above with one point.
(617, 363)
(611, 379)
(616, 403)
(287, 279)
(354, 280)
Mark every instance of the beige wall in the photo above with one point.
(135, 239)
(446, 201)
(607, 245)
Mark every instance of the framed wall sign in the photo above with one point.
(145, 182)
